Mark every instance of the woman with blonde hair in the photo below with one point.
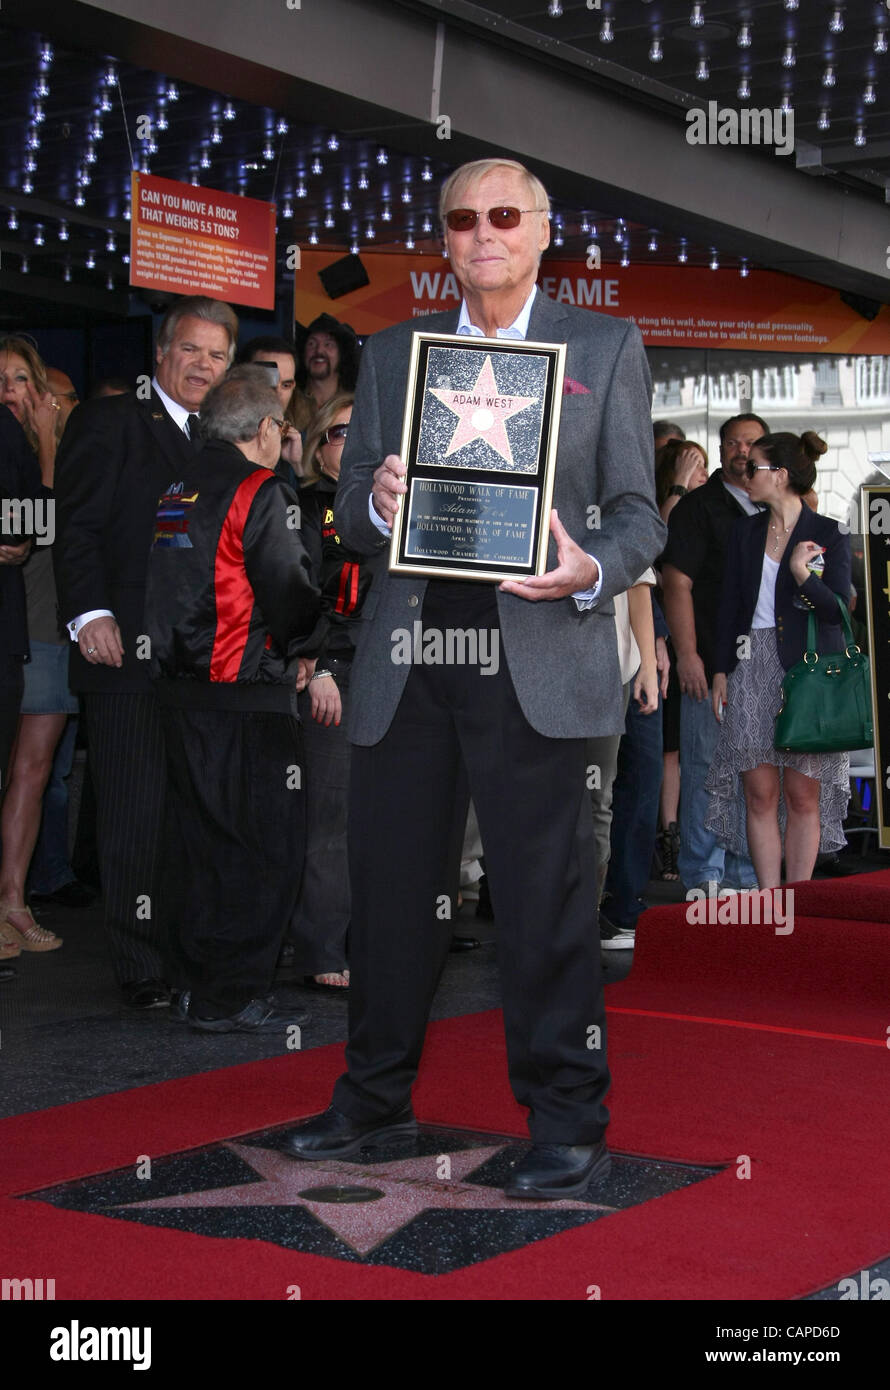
(47, 702)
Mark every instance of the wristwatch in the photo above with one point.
(677, 491)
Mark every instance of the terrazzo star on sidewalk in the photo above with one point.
(521, 732)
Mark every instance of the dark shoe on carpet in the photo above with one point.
(259, 1016)
(464, 943)
(179, 1005)
(73, 894)
(146, 994)
(335, 1135)
(614, 938)
(552, 1171)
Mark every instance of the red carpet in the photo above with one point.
(800, 1089)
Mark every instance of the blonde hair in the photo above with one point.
(27, 350)
(457, 183)
(323, 421)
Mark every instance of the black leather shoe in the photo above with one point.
(7, 972)
(73, 894)
(179, 1005)
(335, 1135)
(259, 1016)
(145, 994)
(558, 1170)
(464, 943)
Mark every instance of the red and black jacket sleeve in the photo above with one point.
(278, 571)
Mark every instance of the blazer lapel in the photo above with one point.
(546, 316)
(171, 439)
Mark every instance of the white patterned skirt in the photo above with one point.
(753, 699)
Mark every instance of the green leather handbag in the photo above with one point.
(826, 700)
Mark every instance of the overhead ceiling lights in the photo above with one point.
(655, 51)
(697, 18)
(836, 23)
(606, 32)
(744, 36)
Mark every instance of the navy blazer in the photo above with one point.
(741, 585)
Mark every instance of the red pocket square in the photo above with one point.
(573, 388)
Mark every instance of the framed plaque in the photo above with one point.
(479, 447)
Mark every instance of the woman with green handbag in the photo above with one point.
(781, 565)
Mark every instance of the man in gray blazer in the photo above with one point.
(519, 730)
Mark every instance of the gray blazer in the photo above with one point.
(564, 663)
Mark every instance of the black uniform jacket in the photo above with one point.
(229, 605)
(116, 457)
(741, 585)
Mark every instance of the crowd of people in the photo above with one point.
(201, 607)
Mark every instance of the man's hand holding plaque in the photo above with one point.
(388, 487)
(575, 572)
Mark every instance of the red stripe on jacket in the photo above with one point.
(233, 594)
(347, 595)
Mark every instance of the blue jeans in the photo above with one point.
(702, 859)
(50, 868)
(635, 795)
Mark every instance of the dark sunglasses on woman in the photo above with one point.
(335, 433)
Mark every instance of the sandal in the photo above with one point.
(669, 849)
(30, 937)
(333, 981)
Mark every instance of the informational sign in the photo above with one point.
(674, 306)
(875, 514)
(188, 240)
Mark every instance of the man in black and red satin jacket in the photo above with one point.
(230, 610)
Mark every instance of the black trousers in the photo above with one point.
(129, 776)
(535, 820)
(236, 832)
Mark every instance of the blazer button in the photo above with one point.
(413, 601)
